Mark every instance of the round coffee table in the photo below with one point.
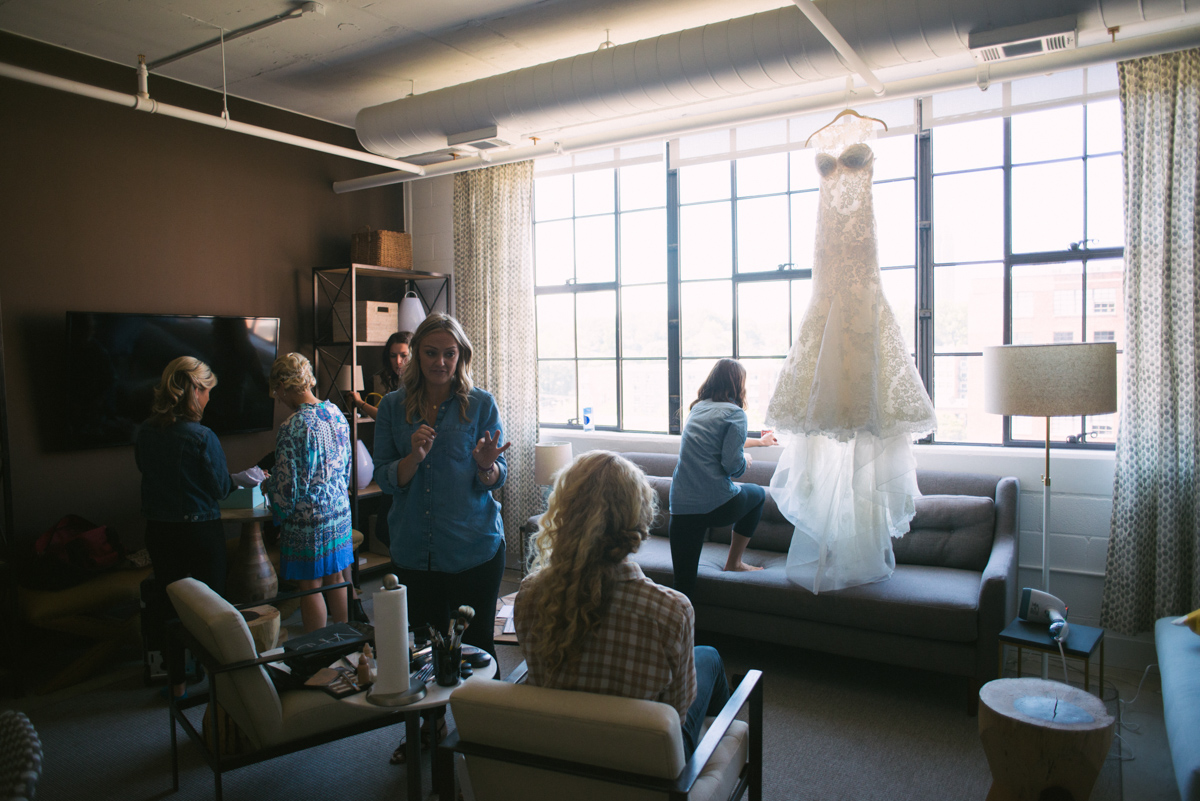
(1039, 735)
(436, 698)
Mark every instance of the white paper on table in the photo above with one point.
(249, 478)
(510, 626)
(505, 612)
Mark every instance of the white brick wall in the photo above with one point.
(431, 202)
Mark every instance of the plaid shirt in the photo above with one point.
(641, 649)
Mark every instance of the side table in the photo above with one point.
(251, 575)
(1082, 642)
(1042, 739)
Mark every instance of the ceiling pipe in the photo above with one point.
(154, 107)
(1108, 52)
(226, 38)
(822, 24)
(775, 50)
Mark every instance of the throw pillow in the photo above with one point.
(1192, 621)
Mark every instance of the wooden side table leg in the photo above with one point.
(1101, 693)
(1019, 651)
(1087, 675)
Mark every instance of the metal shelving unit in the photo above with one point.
(335, 345)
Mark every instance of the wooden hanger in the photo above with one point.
(840, 114)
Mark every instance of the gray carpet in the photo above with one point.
(834, 729)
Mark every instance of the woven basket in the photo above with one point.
(382, 248)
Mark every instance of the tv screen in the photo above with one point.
(118, 359)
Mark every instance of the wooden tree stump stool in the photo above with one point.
(263, 622)
(1044, 740)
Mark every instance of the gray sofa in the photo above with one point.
(1179, 665)
(953, 591)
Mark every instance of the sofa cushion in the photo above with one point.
(949, 531)
(937, 603)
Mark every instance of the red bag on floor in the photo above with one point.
(72, 551)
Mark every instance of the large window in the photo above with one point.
(655, 261)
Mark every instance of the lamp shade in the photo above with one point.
(1051, 380)
(343, 379)
(548, 459)
(411, 314)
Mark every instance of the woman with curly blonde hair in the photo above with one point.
(184, 478)
(588, 618)
(308, 490)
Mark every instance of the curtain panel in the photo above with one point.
(493, 282)
(1153, 564)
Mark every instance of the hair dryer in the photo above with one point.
(1042, 607)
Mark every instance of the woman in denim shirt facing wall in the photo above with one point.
(711, 455)
(438, 452)
(183, 478)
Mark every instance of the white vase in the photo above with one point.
(366, 467)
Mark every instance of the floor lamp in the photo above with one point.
(1050, 381)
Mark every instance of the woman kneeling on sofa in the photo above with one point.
(587, 617)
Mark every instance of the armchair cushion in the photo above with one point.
(248, 695)
(620, 734)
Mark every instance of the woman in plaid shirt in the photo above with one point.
(587, 617)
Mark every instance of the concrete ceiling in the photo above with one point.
(356, 53)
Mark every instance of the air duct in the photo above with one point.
(771, 50)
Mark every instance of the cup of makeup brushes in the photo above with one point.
(446, 664)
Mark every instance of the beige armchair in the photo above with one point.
(514, 741)
(275, 723)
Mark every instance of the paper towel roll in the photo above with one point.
(391, 637)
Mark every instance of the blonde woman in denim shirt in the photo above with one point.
(439, 452)
(184, 477)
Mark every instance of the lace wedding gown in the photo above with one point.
(848, 394)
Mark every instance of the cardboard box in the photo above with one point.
(244, 498)
(376, 320)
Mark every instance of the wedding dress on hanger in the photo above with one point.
(848, 394)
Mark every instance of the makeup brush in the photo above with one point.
(465, 615)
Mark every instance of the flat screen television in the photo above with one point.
(117, 360)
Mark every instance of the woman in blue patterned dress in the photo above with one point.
(308, 490)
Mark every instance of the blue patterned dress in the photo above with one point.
(308, 491)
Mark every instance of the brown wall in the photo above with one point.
(103, 208)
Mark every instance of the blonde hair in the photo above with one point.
(291, 371)
(175, 395)
(600, 511)
(414, 380)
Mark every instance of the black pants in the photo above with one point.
(179, 550)
(687, 531)
(434, 598)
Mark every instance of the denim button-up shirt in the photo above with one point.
(710, 455)
(445, 518)
(184, 475)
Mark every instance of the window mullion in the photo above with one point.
(925, 307)
(674, 348)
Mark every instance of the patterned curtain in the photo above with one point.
(1154, 548)
(493, 284)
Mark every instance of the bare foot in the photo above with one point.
(741, 567)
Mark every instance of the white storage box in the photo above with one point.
(376, 321)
